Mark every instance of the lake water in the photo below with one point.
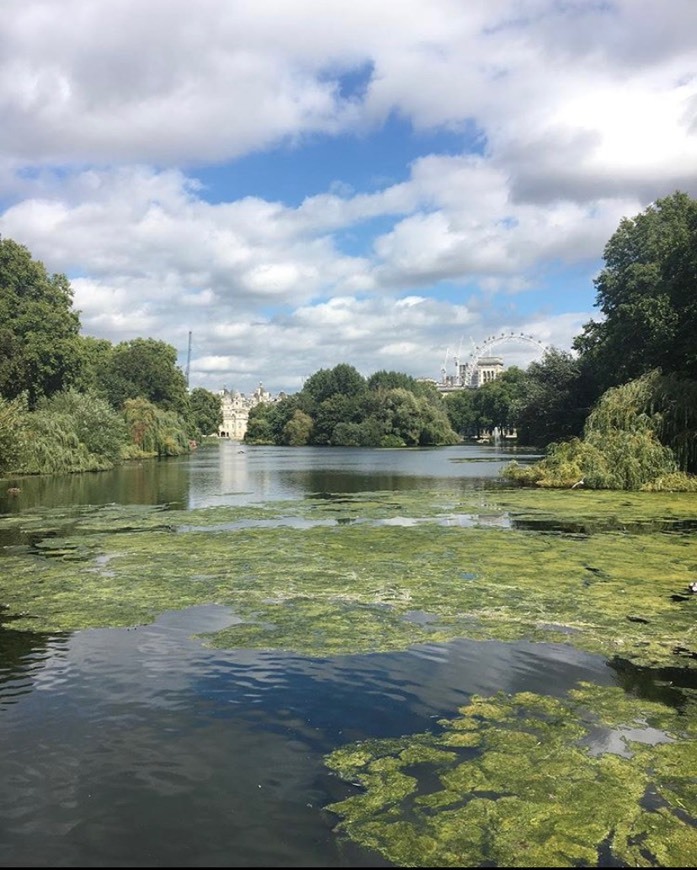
(139, 747)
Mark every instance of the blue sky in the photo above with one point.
(301, 184)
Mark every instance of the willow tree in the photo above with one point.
(640, 435)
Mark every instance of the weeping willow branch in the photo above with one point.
(641, 435)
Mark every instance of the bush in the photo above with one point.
(97, 425)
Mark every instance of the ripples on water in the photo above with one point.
(141, 747)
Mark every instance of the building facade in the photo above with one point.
(236, 407)
(473, 375)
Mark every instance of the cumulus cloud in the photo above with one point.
(571, 116)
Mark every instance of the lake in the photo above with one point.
(145, 746)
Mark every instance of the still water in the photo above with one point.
(141, 748)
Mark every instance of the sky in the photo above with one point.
(274, 187)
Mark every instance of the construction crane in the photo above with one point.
(444, 367)
(188, 362)
(456, 360)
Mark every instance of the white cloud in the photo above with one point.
(581, 113)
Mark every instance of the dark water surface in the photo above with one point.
(141, 747)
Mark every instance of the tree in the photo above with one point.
(554, 401)
(646, 293)
(95, 357)
(297, 430)
(621, 446)
(205, 412)
(498, 403)
(337, 408)
(14, 423)
(97, 425)
(153, 431)
(260, 429)
(461, 412)
(39, 330)
(146, 368)
(325, 383)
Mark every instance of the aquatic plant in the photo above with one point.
(600, 571)
(529, 780)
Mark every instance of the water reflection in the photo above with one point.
(142, 748)
(226, 472)
(234, 474)
(152, 481)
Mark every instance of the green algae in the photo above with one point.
(364, 584)
(525, 790)
(511, 781)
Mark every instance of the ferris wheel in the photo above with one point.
(467, 370)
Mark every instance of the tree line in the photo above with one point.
(621, 411)
(618, 411)
(70, 402)
(341, 408)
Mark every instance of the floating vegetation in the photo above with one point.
(326, 576)
(593, 779)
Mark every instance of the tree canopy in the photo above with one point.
(39, 330)
(646, 292)
(205, 412)
(339, 407)
(145, 368)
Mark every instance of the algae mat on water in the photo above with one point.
(374, 571)
(513, 781)
(530, 781)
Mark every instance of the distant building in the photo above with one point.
(473, 375)
(236, 407)
(488, 368)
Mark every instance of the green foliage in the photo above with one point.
(337, 407)
(646, 293)
(152, 431)
(463, 416)
(54, 446)
(39, 330)
(621, 447)
(14, 424)
(553, 401)
(297, 430)
(70, 432)
(390, 380)
(205, 412)
(672, 401)
(95, 361)
(260, 428)
(496, 403)
(350, 435)
(325, 383)
(145, 368)
(97, 425)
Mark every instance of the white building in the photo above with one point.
(484, 370)
(236, 407)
